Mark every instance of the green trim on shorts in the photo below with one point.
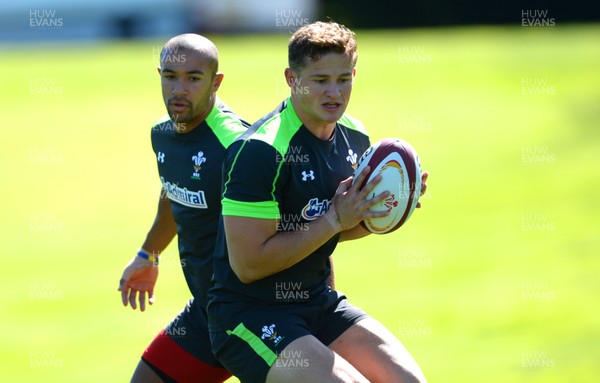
(259, 347)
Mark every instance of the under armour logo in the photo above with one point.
(305, 175)
(161, 157)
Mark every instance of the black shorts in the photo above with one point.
(182, 352)
(255, 338)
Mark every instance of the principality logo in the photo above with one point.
(314, 209)
(270, 333)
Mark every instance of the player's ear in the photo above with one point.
(290, 77)
(217, 81)
(354, 72)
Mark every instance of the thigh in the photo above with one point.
(338, 317)
(308, 360)
(145, 373)
(182, 350)
(377, 353)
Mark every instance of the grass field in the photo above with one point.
(493, 280)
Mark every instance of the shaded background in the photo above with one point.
(24, 20)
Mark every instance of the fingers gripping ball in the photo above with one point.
(400, 169)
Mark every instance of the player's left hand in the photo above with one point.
(423, 186)
(350, 205)
(137, 281)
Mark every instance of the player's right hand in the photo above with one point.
(137, 281)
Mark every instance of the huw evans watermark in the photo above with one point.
(537, 222)
(44, 359)
(537, 359)
(414, 328)
(45, 154)
(414, 122)
(537, 154)
(44, 87)
(44, 222)
(414, 54)
(537, 291)
(292, 359)
(44, 19)
(169, 55)
(44, 291)
(291, 292)
(537, 86)
(537, 18)
(292, 222)
(290, 19)
(294, 155)
(414, 259)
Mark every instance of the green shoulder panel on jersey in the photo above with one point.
(279, 129)
(276, 132)
(353, 123)
(224, 126)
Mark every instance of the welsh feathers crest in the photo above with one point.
(198, 159)
(270, 333)
(351, 157)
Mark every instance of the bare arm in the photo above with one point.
(257, 250)
(140, 275)
(163, 228)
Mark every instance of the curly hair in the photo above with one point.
(317, 39)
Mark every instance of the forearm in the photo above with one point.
(257, 250)
(356, 232)
(253, 259)
(163, 228)
(285, 249)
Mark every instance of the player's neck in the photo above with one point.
(321, 129)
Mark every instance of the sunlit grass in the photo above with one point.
(494, 280)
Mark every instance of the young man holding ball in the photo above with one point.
(288, 200)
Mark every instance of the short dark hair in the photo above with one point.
(317, 39)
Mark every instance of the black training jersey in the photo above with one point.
(279, 170)
(189, 166)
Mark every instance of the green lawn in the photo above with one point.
(492, 280)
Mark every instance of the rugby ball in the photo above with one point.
(400, 169)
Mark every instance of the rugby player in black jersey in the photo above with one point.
(189, 144)
(288, 200)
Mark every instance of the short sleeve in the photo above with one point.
(251, 171)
